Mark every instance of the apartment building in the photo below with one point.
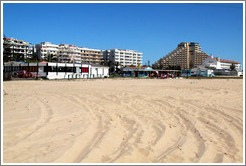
(16, 48)
(186, 56)
(123, 57)
(46, 50)
(69, 54)
(91, 56)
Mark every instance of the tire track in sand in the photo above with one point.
(97, 137)
(226, 145)
(46, 115)
(186, 126)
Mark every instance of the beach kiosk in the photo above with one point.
(52, 70)
(137, 71)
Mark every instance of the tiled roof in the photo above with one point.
(226, 61)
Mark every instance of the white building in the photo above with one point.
(123, 57)
(46, 49)
(58, 53)
(217, 63)
(69, 54)
(51, 70)
(91, 56)
(13, 47)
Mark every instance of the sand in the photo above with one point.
(123, 121)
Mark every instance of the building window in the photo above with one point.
(49, 69)
(84, 70)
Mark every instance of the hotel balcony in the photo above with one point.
(21, 48)
(19, 51)
(64, 51)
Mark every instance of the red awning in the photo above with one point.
(43, 62)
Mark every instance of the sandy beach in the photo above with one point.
(123, 121)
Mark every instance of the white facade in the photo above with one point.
(17, 47)
(91, 56)
(61, 53)
(123, 57)
(68, 74)
(45, 49)
(217, 63)
(69, 54)
(98, 71)
(52, 70)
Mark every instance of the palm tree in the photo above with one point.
(102, 63)
(154, 66)
(6, 50)
(117, 69)
(232, 67)
(17, 57)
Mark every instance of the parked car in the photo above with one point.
(24, 74)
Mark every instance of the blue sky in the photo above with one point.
(154, 29)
